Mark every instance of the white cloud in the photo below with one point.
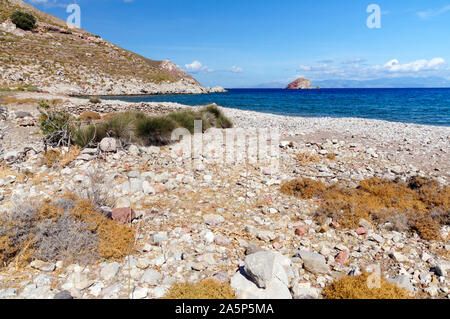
(431, 13)
(416, 66)
(196, 67)
(236, 69)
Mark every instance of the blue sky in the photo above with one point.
(243, 43)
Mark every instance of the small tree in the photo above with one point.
(23, 20)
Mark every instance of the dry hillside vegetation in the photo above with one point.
(68, 228)
(421, 205)
(356, 287)
(206, 289)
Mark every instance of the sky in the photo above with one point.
(246, 43)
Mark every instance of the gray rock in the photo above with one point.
(246, 289)
(262, 267)
(160, 238)
(402, 281)
(63, 295)
(151, 277)
(134, 150)
(442, 268)
(8, 293)
(313, 262)
(305, 291)
(108, 144)
(109, 271)
(213, 219)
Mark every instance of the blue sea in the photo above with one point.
(420, 106)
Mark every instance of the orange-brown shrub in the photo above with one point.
(423, 202)
(89, 116)
(304, 188)
(206, 289)
(356, 287)
(307, 157)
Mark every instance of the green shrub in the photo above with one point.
(155, 130)
(23, 20)
(95, 100)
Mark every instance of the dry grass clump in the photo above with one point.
(14, 100)
(331, 156)
(356, 287)
(206, 289)
(54, 158)
(89, 116)
(306, 158)
(65, 229)
(304, 188)
(420, 205)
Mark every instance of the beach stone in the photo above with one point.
(342, 257)
(123, 202)
(442, 268)
(213, 219)
(148, 188)
(264, 266)
(109, 271)
(160, 237)
(246, 289)
(305, 291)
(108, 144)
(140, 293)
(43, 266)
(63, 295)
(151, 277)
(313, 262)
(123, 215)
(134, 150)
(402, 281)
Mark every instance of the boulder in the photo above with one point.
(123, 215)
(108, 144)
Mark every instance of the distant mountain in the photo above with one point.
(401, 82)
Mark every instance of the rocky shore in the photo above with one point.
(228, 221)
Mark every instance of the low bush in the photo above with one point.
(356, 287)
(23, 20)
(420, 205)
(206, 289)
(68, 229)
(136, 127)
(95, 100)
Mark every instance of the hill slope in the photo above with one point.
(56, 59)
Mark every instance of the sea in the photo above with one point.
(420, 106)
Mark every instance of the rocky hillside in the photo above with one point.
(57, 59)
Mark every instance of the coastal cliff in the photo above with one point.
(300, 84)
(55, 59)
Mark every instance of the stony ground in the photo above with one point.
(229, 221)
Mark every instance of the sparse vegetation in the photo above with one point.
(135, 127)
(306, 158)
(420, 205)
(68, 228)
(356, 287)
(206, 289)
(95, 100)
(23, 20)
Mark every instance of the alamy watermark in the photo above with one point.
(257, 147)
(374, 19)
(74, 19)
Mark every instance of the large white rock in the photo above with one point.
(108, 144)
(246, 289)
